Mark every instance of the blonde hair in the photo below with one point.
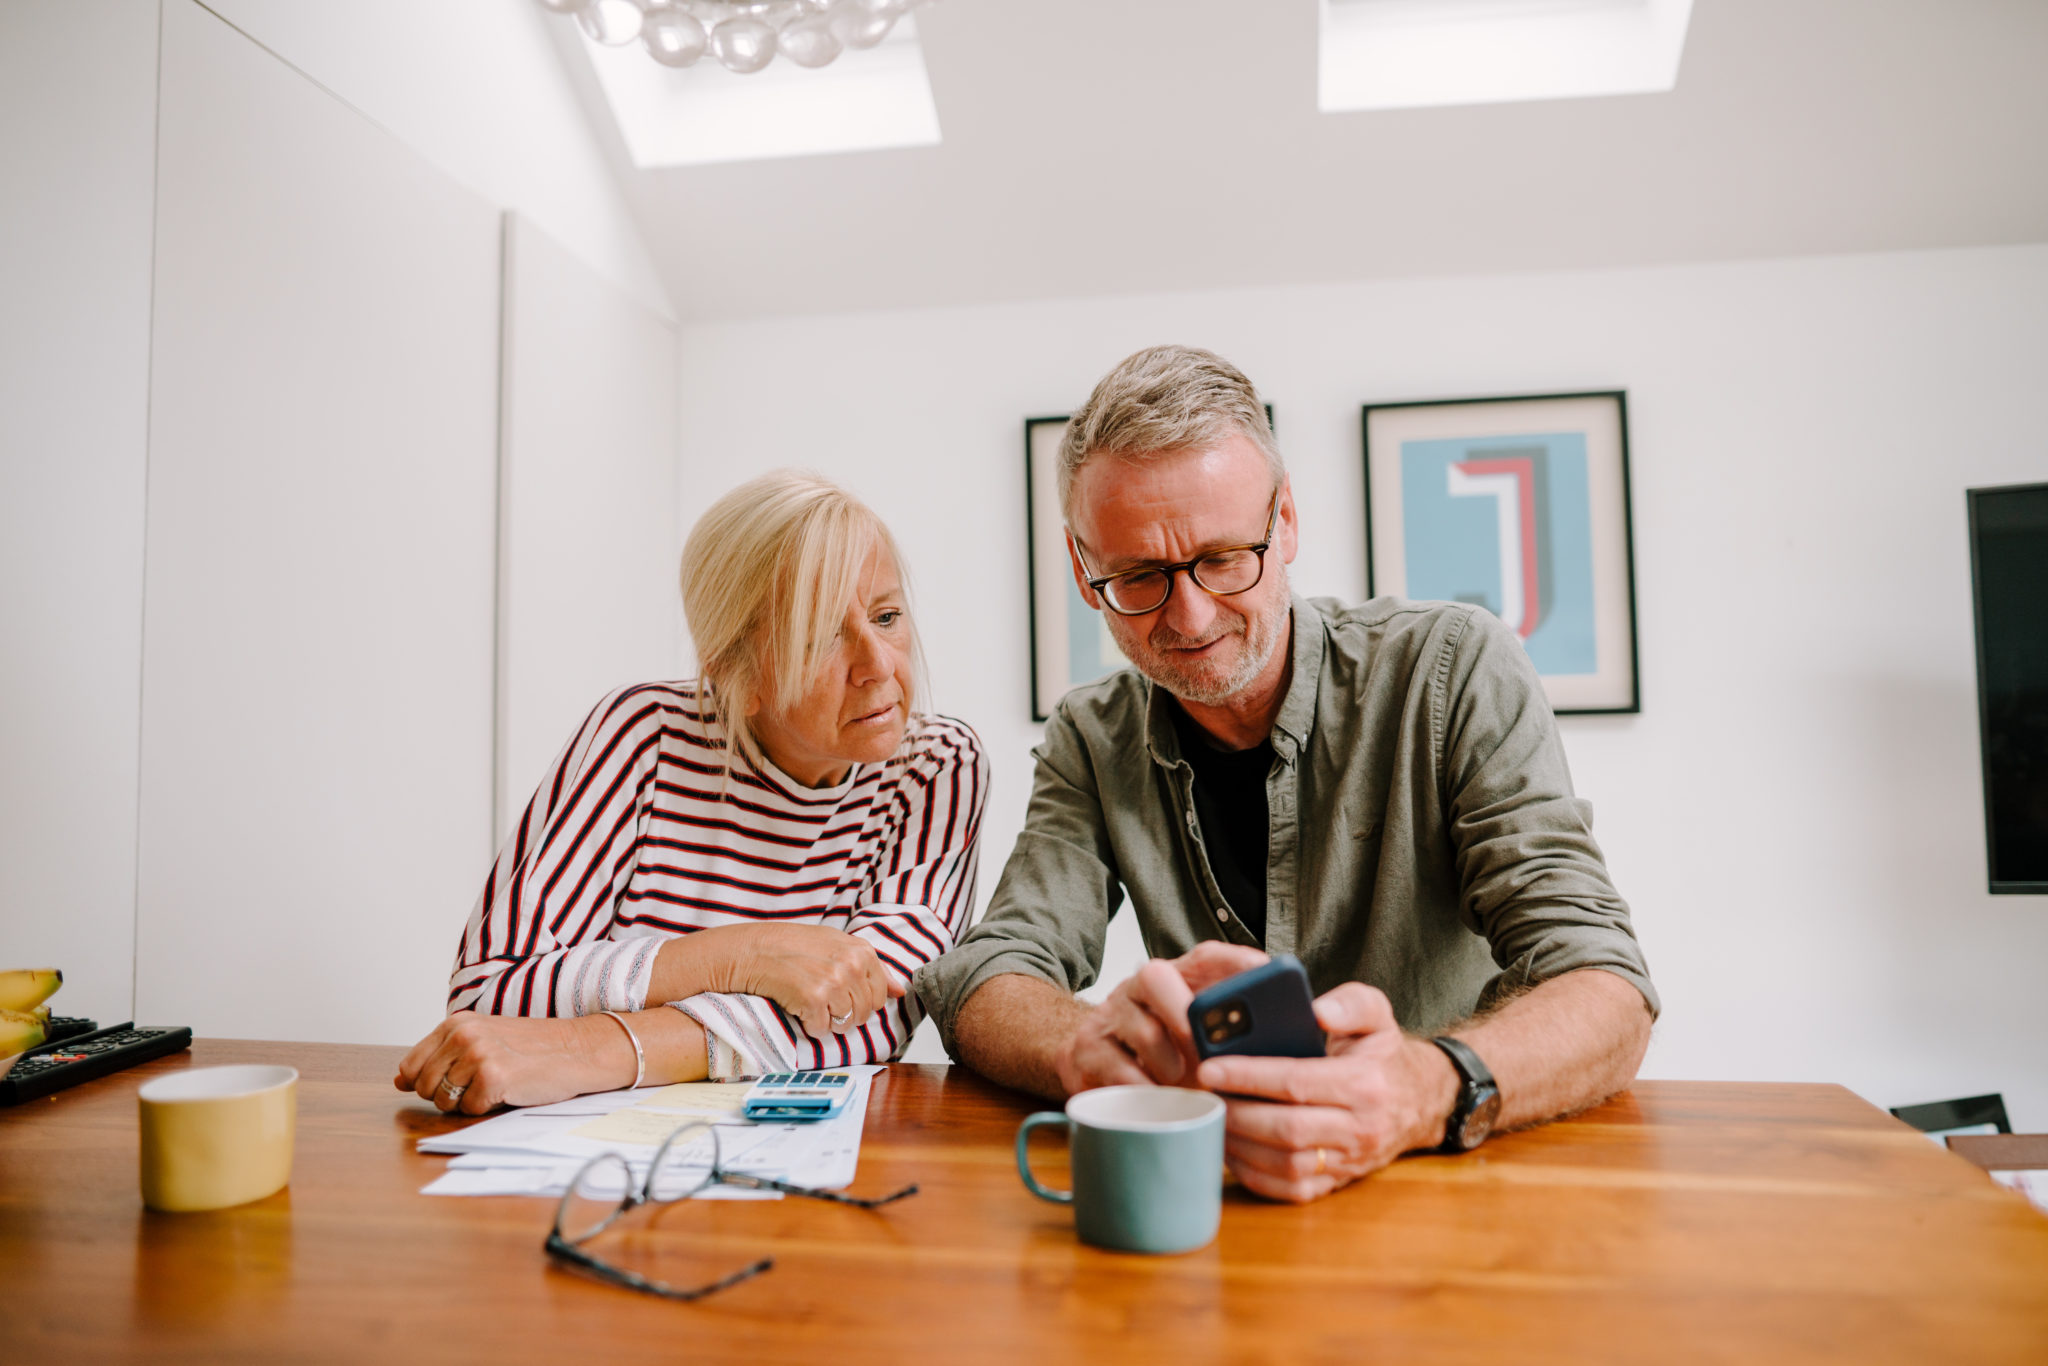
(768, 574)
(1164, 398)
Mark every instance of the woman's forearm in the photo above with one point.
(673, 1044)
(671, 1050)
(825, 978)
(692, 963)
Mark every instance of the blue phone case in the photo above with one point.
(1266, 1012)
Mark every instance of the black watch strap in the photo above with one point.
(1477, 1091)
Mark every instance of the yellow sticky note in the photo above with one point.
(633, 1125)
(698, 1097)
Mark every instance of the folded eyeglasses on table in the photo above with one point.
(604, 1189)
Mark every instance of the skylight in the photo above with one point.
(702, 114)
(1413, 54)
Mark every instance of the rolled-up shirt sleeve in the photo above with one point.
(1050, 913)
(1534, 882)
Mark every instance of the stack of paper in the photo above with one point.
(539, 1150)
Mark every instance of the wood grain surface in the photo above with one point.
(1684, 1221)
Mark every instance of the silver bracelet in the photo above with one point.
(639, 1058)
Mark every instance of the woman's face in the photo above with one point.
(859, 707)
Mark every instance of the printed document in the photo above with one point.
(537, 1151)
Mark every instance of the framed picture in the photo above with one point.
(1070, 641)
(1520, 505)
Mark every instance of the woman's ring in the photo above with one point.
(454, 1091)
(1320, 1164)
(839, 1021)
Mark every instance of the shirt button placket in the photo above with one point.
(1283, 837)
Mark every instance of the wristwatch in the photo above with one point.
(1478, 1102)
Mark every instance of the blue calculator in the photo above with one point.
(785, 1096)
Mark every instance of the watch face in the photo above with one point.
(1479, 1123)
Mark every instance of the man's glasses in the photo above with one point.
(604, 1189)
(1221, 573)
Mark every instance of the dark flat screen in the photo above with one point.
(2009, 550)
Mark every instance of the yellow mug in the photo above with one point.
(217, 1136)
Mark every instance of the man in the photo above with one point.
(1378, 789)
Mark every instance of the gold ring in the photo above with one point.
(1320, 1164)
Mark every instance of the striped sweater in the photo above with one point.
(636, 835)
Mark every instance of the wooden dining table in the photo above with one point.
(1681, 1221)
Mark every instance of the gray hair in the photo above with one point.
(1164, 398)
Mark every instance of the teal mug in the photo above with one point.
(1148, 1166)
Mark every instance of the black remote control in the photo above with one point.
(58, 1028)
(58, 1065)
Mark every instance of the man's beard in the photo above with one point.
(1204, 686)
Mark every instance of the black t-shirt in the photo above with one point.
(1230, 802)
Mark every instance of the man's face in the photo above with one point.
(1166, 509)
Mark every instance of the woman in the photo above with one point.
(739, 874)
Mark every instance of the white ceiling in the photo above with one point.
(1122, 146)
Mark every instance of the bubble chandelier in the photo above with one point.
(742, 35)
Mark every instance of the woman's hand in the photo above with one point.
(830, 980)
(474, 1063)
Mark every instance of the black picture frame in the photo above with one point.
(1615, 688)
(1036, 522)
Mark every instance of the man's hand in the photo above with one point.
(493, 1060)
(1325, 1122)
(1140, 1034)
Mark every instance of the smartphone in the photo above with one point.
(1266, 1012)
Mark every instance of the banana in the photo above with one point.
(19, 1032)
(27, 988)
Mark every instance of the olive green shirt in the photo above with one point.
(1423, 833)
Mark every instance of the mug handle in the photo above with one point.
(1043, 1117)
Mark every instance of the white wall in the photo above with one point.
(589, 543)
(77, 133)
(461, 93)
(317, 651)
(478, 88)
(1796, 815)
